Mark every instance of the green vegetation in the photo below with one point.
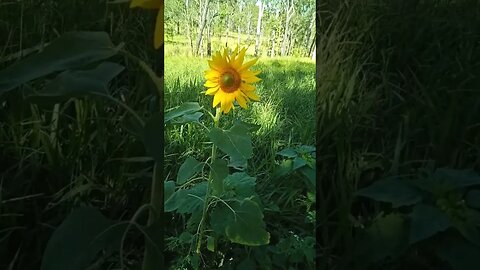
(81, 148)
(288, 199)
(398, 134)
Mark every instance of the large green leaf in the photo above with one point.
(75, 83)
(235, 142)
(169, 189)
(427, 221)
(219, 172)
(244, 225)
(392, 190)
(189, 168)
(71, 50)
(186, 112)
(78, 240)
(240, 185)
(187, 200)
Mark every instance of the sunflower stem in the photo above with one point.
(216, 121)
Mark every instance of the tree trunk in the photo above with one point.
(314, 51)
(289, 13)
(238, 42)
(259, 25)
(227, 22)
(189, 29)
(311, 36)
(272, 53)
(201, 24)
(209, 38)
(249, 23)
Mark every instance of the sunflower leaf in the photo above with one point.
(71, 50)
(235, 142)
(187, 200)
(242, 223)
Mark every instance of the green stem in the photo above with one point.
(201, 230)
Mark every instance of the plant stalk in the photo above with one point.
(216, 121)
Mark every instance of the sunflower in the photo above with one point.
(229, 79)
(153, 4)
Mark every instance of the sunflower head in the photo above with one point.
(229, 79)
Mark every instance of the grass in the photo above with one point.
(55, 157)
(285, 116)
(397, 90)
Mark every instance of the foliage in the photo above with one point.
(386, 109)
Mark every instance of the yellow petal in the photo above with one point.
(252, 95)
(211, 91)
(253, 79)
(146, 3)
(237, 63)
(158, 37)
(227, 101)
(210, 84)
(217, 98)
(211, 74)
(228, 108)
(248, 64)
(247, 87)
(249, 73)
(241, 101)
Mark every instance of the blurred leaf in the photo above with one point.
(235, 142)
(183, 113)
(460, 254)
(219, 172)
(187, 118)
(241, 184)
(251, 127)
(284, 168)
(288, 152)
(303, 149)
(244, 225)
(189, 168)
(211, 243)
(310, 174)
(426, 222)
(187, 200)
(152, 135)
(78, 240)
(71, 50)
(185, 237)
(169, 189)
(298, 162)
(76, 83)
(392, 190)
(473, 198)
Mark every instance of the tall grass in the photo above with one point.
(398, 87)
(56, 156)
